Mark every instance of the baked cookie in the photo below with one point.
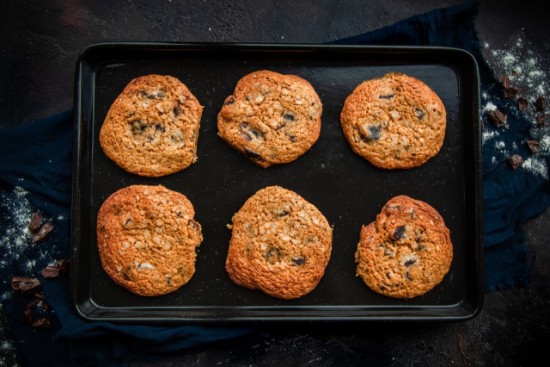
(146, 238)
(395, 121)
(280, 244)
(406, 251)
(152, 127)
(271, 118)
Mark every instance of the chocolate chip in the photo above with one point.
(410, 262)
(292, 138)
(515, 160)
(497, 117)
(522, 103)
(288, 116)
(253, 155)
(176, 111)
(36, 222)
(419, 113)
(138, 127)
(230, 100)
(408, 275)
(370, 132)
(540, 104)
(534, 146)
(26, 284)
(43, 232)
(249, 133)
(159, 127)
(386, 96)
(399, 233)
(299, 260)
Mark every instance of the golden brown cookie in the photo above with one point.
(395, 121)
(280, 244)
(152, 127)
(406, 251)
(146, 238)
(271, 118)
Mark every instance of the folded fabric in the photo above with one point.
(35, 174)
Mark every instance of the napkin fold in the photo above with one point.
(35, 174)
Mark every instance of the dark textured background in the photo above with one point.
(39, 45)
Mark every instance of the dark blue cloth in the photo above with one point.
(37, 158)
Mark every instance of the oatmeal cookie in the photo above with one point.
(147, 237)
(406, 251)
(152, 127)
(394, 122)
(280, 244)
(271, 118)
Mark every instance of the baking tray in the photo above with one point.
(345, 187)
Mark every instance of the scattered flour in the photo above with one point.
(15, 240)
(529, 73)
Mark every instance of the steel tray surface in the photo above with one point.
(345, 187)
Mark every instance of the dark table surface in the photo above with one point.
(40, 42)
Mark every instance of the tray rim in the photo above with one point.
(270, 313)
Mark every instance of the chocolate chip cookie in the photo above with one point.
(147, 237)
(271, 118)
(152, 127)
(406, 251)
(280, 244)
(394, 122)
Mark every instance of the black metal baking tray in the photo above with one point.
(345, 187)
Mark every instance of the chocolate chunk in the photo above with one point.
(511, 92)
(541, 120)
(515, 160)
(53, 271)
(230, 100)
(36, 222)
(41, 323)
(522, 103)
(299, 260)
(292, 138)
(399, 233)
(43, 232)
(386, 96)
(26, 284)
(497, 118)
(540, 104)
(534, 146)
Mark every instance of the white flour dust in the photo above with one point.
(15, 239)
(526, 72)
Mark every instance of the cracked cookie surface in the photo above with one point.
(147, 238)
(152, 127)
(281, 244)
(406, 251)
(271, 118)
(394, 122)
